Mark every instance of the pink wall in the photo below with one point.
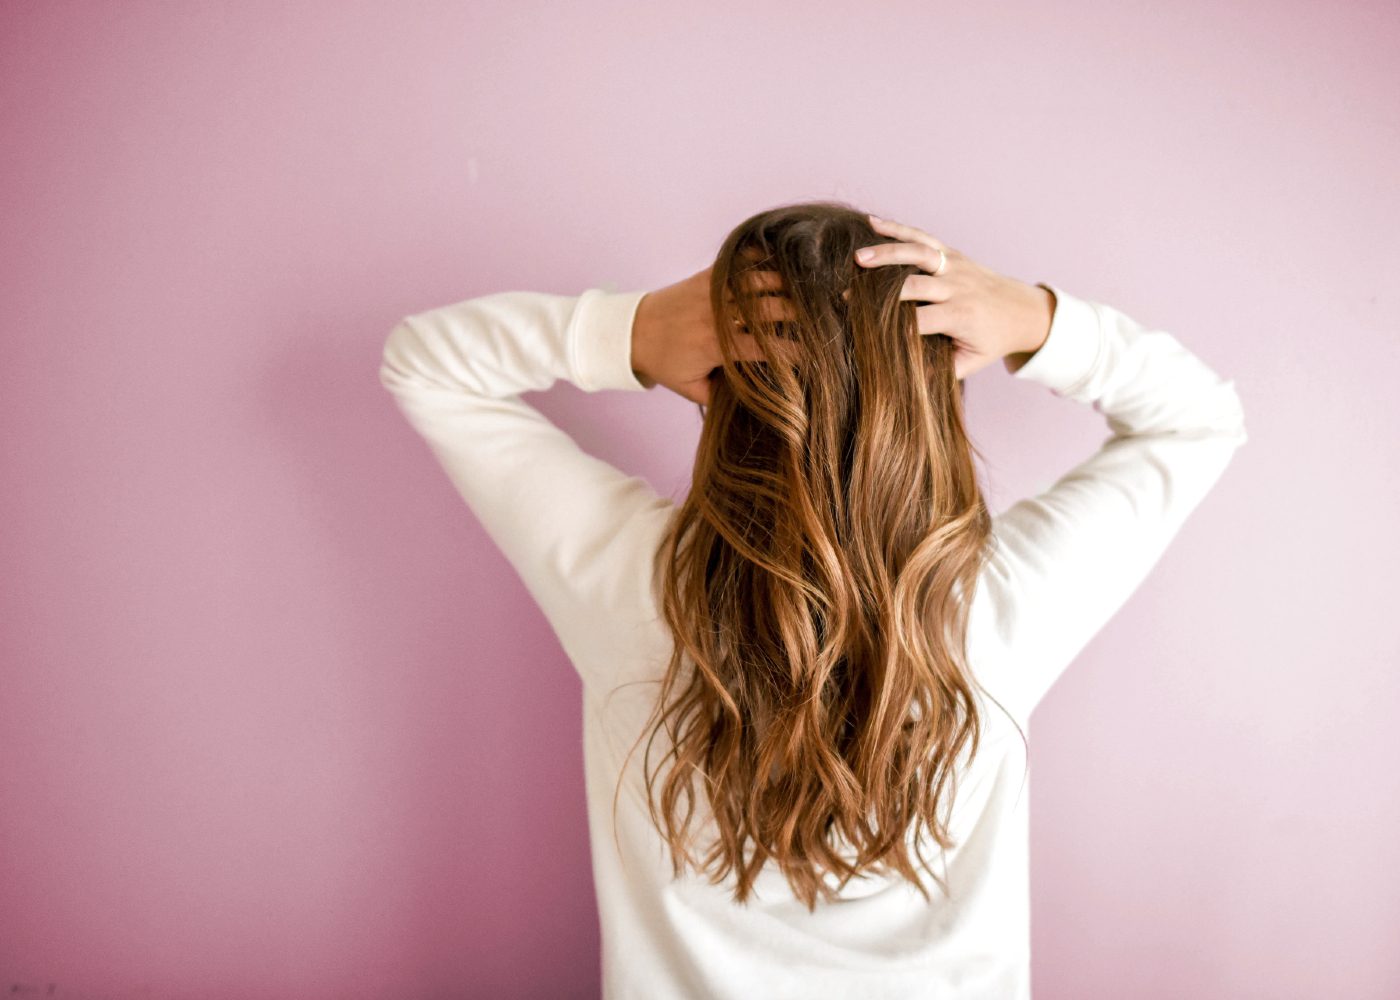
(275, 718)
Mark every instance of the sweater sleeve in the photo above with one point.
(1063, 561)
(577, 530)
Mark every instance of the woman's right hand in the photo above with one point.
(988, 315)
(674, 341)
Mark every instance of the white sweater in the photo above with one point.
(581, 534)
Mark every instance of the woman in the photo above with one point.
(831, 642)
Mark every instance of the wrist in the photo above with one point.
(1037, 328)
(1043, 313)
(642, 326)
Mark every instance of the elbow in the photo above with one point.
(1215, 417)
(395, 370)
(1233, 423)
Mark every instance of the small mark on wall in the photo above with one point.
(472, 171)
(32, 990)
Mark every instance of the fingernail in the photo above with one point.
(874, 218)
(864, 254)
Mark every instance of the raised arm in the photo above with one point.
(576, 529)
(1065, 560)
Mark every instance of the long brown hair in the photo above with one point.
(817, 576)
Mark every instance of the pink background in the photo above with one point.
(276, 720)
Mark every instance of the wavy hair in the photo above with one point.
(817, 576)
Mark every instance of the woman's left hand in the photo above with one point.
(674, 341)
(987, 315)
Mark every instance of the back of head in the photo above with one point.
(817, 574)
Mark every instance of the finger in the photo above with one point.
(761, 281)
(768, 308)
(747, 348)
(933, 319)
(967, 363)
(925, 288)
(758, 285)
(919, 254)
(775, 309)
(772, 281)
(911, 234)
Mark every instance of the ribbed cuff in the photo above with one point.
(1071, 349)
(600, 340)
